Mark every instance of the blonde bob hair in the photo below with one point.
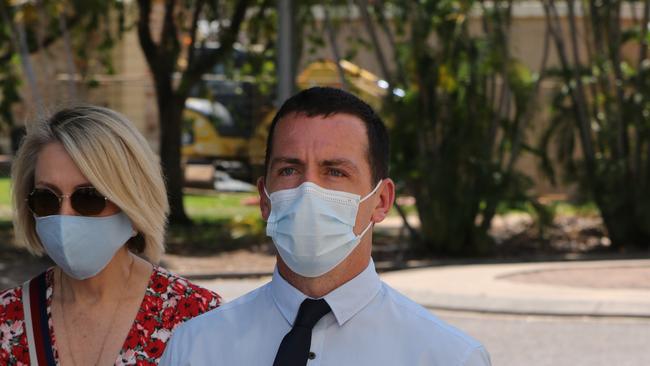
(113, 156)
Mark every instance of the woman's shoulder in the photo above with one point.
(11, 304)
(11, 293)
(13, 341)
(11, 300)
(182, 293)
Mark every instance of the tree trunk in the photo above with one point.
(624, 226)
(162, 59)
(331, 34)
(70, 66)
(370, 27)
(19, 43)
(170, 108)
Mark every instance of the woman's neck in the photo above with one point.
(111, 282)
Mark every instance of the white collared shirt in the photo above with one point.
(370, 324)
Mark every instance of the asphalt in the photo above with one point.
(606, 288)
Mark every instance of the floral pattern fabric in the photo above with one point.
(168, 301)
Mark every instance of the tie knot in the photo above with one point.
(310, 312)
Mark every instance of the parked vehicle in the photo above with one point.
(225, 183)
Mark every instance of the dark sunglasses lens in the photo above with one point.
(43, 202)
(87, 201)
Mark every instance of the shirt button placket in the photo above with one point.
(315, 357)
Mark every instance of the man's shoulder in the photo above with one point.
(231, 312)
(431, 331)
(208, 334)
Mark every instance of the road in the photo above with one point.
(557, 341)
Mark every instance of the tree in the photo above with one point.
(602, 106)
(178, 38)
(86, 28)
(460, 105)
(80, 21)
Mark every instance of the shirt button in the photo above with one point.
(312, 355)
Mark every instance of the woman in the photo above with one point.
(88, 192)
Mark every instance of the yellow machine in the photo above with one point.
(204, 140)
(363, 83)
(230, 131)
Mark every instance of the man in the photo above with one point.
(326, 185)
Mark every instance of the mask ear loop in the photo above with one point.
(371, 223)
(369, 194)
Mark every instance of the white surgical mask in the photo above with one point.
(312, 227)
(82, 246)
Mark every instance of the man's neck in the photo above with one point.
(317, 287)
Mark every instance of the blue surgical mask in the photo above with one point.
(82, 246)
(312, 227)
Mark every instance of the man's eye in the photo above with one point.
(287, 171)
(335, 173)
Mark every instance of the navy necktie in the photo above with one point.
(294, 349)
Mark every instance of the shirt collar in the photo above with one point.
(345, 301)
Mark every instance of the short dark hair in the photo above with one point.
(326, 101)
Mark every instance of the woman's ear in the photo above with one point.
(386, 199)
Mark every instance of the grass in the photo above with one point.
(227, 221)
(571, 209)
(556, 207)
(221, 222)
(5, 193)
(205, 206)
(219, 206)
(200, 207)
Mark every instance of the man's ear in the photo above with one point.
(265, 204)
(386, 199)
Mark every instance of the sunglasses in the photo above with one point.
(87, 201)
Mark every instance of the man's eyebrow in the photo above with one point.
(339, 162)
(286, 160)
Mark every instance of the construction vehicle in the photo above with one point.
(229, 130)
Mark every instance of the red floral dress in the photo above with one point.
(169, 301)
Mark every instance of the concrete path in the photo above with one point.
(494, 288)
